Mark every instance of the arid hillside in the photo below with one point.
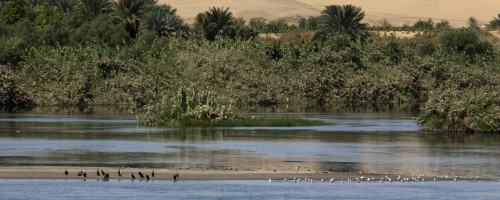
(396, 11)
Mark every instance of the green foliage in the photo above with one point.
(444, 24)
(313, 22)
(460, 39)
(46, 14)
(31, 8)
(340, 20)
(495, 23)
(163, 20)
(257, 23)
(424, 25)
(55, 34)
(65, 6)
(218, 18)
(89, 10)
(188, 103)
(101, 30)
(130, 12)
(239, 31)
(11, 93)
(472, 23)
(12, 12)
(12, 50)
(473, 110)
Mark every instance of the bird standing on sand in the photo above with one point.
(175, 177)
(177, 174)
(84, 174)
(147, 177)
(119, 174)
(98, 173)
(153, 173)
(102, 171)
(133, 177)
(141, 175)
(66, 172)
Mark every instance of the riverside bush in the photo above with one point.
(188, 104)
(473, 110)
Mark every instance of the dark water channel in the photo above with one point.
(373, 138)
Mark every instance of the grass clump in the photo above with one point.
(193, 107)
(458, 111)
(187, 104)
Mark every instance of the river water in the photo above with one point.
(366, 137)
(126, 189)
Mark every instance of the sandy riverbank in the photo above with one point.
(199, 174)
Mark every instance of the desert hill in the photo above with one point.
(396, 11)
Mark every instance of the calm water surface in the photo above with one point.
(375, 138)
(114, 189)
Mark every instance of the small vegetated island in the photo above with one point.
(139, 52)
(190, 107)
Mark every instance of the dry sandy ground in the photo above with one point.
(396, 11)
(200, 174)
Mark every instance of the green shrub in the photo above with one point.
(303, 23)
(463, 111)
(495, 23)
(188, 103)
(46, 14)
(55, 34)
(472, 23)
(101, 30)
(12, 50)
(313, 22)
(459, 38)
(444, 24)
(11, 90)
(424, 25)
(12, 12)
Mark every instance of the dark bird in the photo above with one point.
(107, 176)
(153, 173)
(66, 172)
(84, 174)
(80, 173)
(177, 174)
(133, 177)
(98, 173)
(147, 177)
(141, 175)
(119, 174)
(175, 177)
(102, 171)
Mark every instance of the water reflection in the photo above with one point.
(369, 137)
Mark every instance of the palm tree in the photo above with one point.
(65, 5)
(346, 19)
(163, 21)
(218, 18)
(130, 12)
(91, 9)
(202, 24)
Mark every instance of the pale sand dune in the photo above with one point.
(396, 11)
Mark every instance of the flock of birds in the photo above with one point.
(382, 179)
(106, 175)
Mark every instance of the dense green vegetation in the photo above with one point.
(95, 52)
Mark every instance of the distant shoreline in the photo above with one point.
(53, 172)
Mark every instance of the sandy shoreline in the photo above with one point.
(49, 172)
